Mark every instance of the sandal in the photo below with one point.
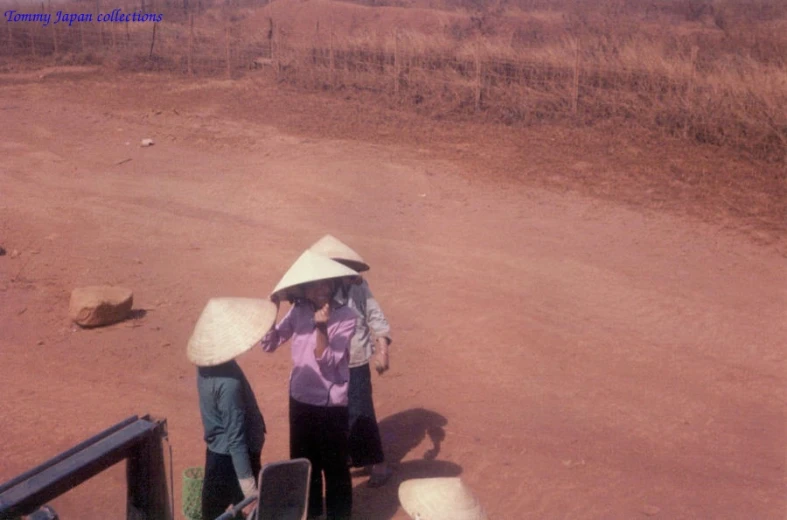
(379, 479)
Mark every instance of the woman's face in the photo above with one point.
(319, 292)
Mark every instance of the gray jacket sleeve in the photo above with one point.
(374, 314)
(233, 414)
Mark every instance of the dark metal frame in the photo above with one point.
(139, 440)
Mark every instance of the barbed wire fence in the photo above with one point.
(474, 82)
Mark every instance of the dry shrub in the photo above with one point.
(713, 71)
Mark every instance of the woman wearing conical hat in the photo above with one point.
(441, 498)
(319, 329)
(369, 344)
(233, 424)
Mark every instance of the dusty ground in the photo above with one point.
(568, 355)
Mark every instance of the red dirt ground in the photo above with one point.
(569, 356)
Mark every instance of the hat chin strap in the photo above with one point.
(314, 305)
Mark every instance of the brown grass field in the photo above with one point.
(576, 219)
(711, 72)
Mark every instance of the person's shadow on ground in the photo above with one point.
(401, 433)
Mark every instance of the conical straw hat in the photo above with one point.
(227, 328)
(310, 267)
(332, 247)
(439, 499)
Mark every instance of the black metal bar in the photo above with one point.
(146, 478)
(229, 515)
(69, 472)
(54, 460)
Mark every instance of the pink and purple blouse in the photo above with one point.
(316, 381)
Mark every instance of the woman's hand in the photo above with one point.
(322, 314)
(381, 359)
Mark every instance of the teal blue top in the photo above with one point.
(232, 420)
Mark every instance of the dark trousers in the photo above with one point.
(365, 445)
(220, 489)
(319, 433)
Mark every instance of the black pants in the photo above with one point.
(220, 489)
(319, 433)
(365, 445)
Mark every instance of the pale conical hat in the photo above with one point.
(332, 247)
(227, 328)
(439, 499)
(310, 267)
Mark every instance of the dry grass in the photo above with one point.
(703, 70)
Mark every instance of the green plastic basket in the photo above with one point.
(192, 493)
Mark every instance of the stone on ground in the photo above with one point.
(99, 305)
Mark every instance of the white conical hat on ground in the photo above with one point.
(439, 499)
(310, 267)
(227, 328)
(332, 247)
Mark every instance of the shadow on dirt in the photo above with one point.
(402, 433)
(136, 314)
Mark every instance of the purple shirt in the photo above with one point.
(323, 381)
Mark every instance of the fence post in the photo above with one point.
(153, 41)
(227, 40)
(690, 90)
(31, 32)
(54, 38)
(100, 25)
(54, 28)
(275, 47)
(575, 89)
(191, 43)
(54, 33)
(113, 31)
(330, 50)
(694, 50)
(478, 77)
(396, 62)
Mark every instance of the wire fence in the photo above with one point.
(474, 83)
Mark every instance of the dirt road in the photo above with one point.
(569, 358)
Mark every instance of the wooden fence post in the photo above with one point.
(694, 50)
(31, 31)
(330, 50)
(113, 31)
(100, 25)
(575, 88)
(54, 38)
(273, 35)
(54, 27)
(227, 41)
(153, 41)
(690, 90)
(478, 78)
(191, 43)
(396, 62)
